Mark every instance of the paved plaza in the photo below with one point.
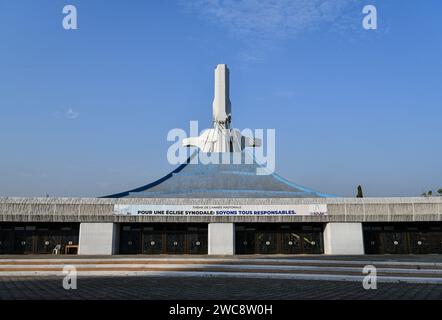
(196, 288)
(235, 278)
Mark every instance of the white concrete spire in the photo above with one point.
(221, 138)
(222, 107)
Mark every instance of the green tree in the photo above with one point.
(360, 194)
(427, 194)
(440, 191)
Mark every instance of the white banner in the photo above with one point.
(221, 210)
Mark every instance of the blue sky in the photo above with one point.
(86, 112)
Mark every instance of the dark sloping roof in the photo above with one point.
(220, 181)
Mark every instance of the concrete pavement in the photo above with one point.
(197, 288)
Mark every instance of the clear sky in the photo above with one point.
(86, 112)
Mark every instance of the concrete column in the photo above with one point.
(221, 238)
(343, 238)
(98, 238)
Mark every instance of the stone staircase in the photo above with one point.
(278, 268)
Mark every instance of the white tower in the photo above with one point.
(221, 138)
(222, 107)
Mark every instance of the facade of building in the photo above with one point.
(338, 226)
(221, 208)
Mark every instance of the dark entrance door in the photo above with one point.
(37, 238)
(291, 243)
(196, 243)
(394, 241)
(245, 240)
(155, 238)
(152, 242)
(6, 239)
(46, 240)
(266, 242)
(277, 238)
(425, 240)
(130, 240)
(372, 240)
(403, 238)
(311, 243)
(175, 243)
(23, 240)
